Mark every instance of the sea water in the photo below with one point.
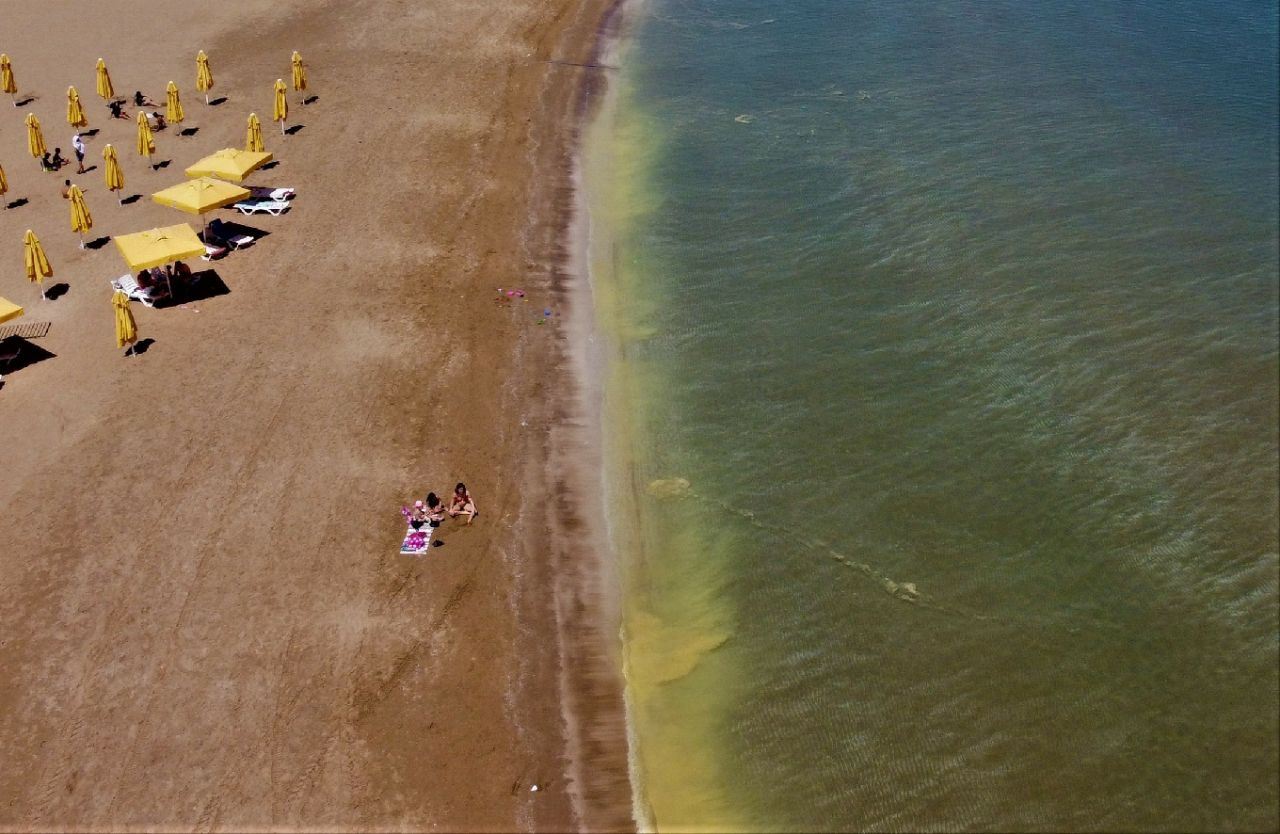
(942, 411)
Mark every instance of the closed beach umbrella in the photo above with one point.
(75, 113)
(126, 327)
(4, 187)
(35, 138)
(280, 109)
(105, 90)
(7, 84)
(253, 138)
(81, 219)
(146, 142)
(299, 72)
(173, 104)
(115, 176)
(38, 267)
(204, 75)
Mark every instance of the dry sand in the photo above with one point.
(206, 623)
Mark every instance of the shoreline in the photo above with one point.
(284, 668)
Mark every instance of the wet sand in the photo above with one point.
(207, 623)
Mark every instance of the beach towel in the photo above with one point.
(416, 542)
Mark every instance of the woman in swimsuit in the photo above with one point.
(461, 503)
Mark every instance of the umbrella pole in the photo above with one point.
(82, 240)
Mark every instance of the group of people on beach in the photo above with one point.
(433, 510)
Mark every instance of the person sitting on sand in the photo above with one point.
(58, 161)
(418, 517)
(139, 100)
(461, 503)
(66, 189)
(46, 162)
(155, 120)
(117, 110)
(435, 509)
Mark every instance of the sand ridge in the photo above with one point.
(207, 624)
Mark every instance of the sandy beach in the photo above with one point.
(207, 623)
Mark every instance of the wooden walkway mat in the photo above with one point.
(26, 330)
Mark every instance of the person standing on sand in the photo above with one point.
(77, 144)
(461, 503)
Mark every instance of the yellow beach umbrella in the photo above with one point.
(229, 164)
(204, 75)
(114, 176)
(4, 187)
(81, 219)
(280, 108)
(75, 113)
(35, 138)
(156, 247)
(7, 84)
(38, 267)
(146, 142)
(200, 195)
(253, 139)
(299, 72)
(126, 327)
(105, 90)
(8, 310)
(173, 104)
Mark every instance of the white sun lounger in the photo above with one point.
(129, 284)
(265, 193)
(272, 207)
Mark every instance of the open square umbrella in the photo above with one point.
(229, 164)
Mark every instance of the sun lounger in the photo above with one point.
(275, 208)
(129, 284)
(265, 193)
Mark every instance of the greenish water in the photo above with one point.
(943, 416)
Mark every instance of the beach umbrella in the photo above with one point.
(204, 75)
(173, 104)
(299, 72)
(280, 109)
(126, 327)
(229, 164)
(8, 310)
(253, 140)
(4, 187)
(105, 90)
(81, 219)
(75, 113)
(200, 196)
(7, 84)
(35, 138)
(115, 176)
(159, 246)
(146, 142)
(38, 267)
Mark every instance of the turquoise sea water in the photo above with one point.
(944, 412)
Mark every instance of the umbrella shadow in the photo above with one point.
(131, 199)
(142, 346)
(311, 99)
(272, 164)
(164, 163)
(98, 243)
(198, 286)
(93, 131)
(18, 203)
(295, 129)
(17, 353)
(57, 291)
(219, 100)
(23, 102)
(189, 131)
